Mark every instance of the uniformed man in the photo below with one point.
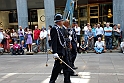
(68, 39)
(58, 46)
(73, 43)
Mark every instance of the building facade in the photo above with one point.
(91, 11)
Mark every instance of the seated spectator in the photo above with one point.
(99, 46)
(15, 48)
(22, 47)
(122, 46)
(83, 47)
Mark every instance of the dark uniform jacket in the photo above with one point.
(58, 41)
(74, 38)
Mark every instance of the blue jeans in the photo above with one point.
(98, 49)
(108, 41)
(85, 39)
(36, 41)
(21, 38)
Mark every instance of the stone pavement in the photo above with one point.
(93, 68)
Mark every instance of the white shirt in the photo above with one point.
(43, 34)
(99, 31)
(1, 37)
(99, 44)
(77, 30)
(122, 44)
(85, 30)
(19, 32)
(48, 32)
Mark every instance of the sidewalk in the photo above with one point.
(93, 68)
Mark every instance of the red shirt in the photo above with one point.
(36, 34)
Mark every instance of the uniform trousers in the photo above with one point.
(73, 52)
(58, 66)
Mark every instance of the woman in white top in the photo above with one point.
(1, 35)
(14, 36)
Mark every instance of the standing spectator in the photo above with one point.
(29, 39)
(14, 36)
(6, 45)
(94, 33)
(36, 35)
(119, 33)
(122, 46)
(43, 36)
(25, 37)
(108, 37)
(90, 39)
(21, 33)
(99, 46)
(49, 38)
(115, 36)
(86, 28)
(1, 35)
(77, 29)
(99, 31)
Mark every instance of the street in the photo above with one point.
(92, 68)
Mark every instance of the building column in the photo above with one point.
(22, 12)
(49, 12)
(118, 13)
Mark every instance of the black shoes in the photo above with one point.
(73, 74)
(75, 67)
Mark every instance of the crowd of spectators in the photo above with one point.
(95, 38)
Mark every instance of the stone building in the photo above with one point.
(92, 11)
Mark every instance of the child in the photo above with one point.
(83, 47)
(15, 48)
(22, 47)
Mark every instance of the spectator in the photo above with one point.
(43, 36)
(15, 48)
(6, 45)
(122, 46)
(25, 37)
(115, 36)
(99, 31)
(90, 39)
(22, 47)
(1, 36)
(49, 38)
(99, 46)
(108, 37)
(14, 36)
(36, 35)
(29, 39)
(94, 33)
(119, 33)
(83, 47)
(77, 29)
(21, 33)
(86, 28)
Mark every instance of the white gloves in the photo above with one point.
(77, 44)
(70, 38)
(55, 55)
(70, 32)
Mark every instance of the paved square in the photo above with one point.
(92, 68)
